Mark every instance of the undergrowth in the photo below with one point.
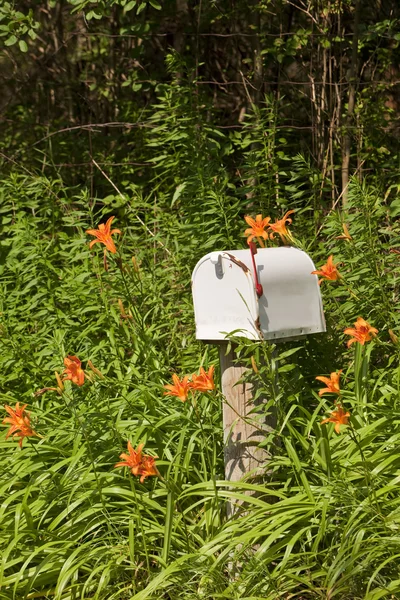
(324, 520)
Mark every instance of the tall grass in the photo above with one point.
(324, 522)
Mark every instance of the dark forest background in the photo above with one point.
(84, 79)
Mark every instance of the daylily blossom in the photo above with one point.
(328, 271)
(280, 228)
(132, 460)
(139, 464)
(257, 228)
(346, 235)
(73, 370)
(103, 235)
(180, 388)
(339, 417)
(148, 467)
(20, 424)
(331, 382)
(203, 382)
(361, 333)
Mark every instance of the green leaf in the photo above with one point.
(130, 5)
(178, 193)
(93, 15)
(11, 41)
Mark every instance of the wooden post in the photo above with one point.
(243, 430)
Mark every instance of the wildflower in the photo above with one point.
(132, 460)
(393, 337)
(257, 228)
(280, 228)
(180, 388)
(203, 382)
(339, 417)
(346, 235)
(331, 382)
(148, 467)
(361, 333)
(328, 271)
(139, 464)
(73, 370)
(103, 235)
(20, 424)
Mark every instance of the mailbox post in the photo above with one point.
(279, 302)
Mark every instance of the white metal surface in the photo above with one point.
(225, 299)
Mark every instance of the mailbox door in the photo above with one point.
(224, 298)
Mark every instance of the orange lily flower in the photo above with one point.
(257, 228)
(339, 417)
(103, 235)
(280, 228)
(361, 333)
(331, 382)
(328, 271)
(148, 467)
(132, 460)
(20, 424)
(203, 382)
(346, 235)
(73, 370)
(139, 464)
(180, 388)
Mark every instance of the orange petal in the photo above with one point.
(323, 391)
(325, 380)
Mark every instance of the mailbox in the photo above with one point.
(225, 297)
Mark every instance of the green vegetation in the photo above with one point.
(105, 115)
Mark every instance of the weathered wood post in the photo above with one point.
(244, 428)
(277, 299)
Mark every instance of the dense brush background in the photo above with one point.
(179, 119)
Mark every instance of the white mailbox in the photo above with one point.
(225, 297)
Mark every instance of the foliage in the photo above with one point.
(15, 25)
(322, 523)
(118, 109)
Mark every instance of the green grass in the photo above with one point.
(324, 521)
